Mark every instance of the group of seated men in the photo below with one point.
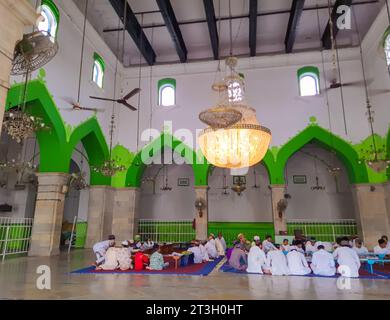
(109, 257)
(266, 257)
(208, 250)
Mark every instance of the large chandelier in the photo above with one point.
(20, 125)
(243, 143)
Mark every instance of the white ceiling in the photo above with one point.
(271, 29)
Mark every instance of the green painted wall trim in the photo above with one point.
(98, 58)
(124, 157)
(57, 145)
(166, 81)
(199, 164)
(357, 173)
(308, 69)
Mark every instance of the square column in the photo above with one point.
(371, 210)
(15, 15)
(49, 212)
(125, 213)
(201, 223)
(100, 211)
(280, 222)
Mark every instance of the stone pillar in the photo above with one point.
(201, 223)
(49, 211)
(280, 223)
(15, 15)
(371, 212)
(100, 214)
(125, 213)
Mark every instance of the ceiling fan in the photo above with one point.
(77, 107)
(122, 101)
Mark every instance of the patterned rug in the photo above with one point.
(201, 269)
(380, 272)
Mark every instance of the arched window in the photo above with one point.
(309, 83)
(50, 18)
(98, 70)
(167, 92)
(386, 46)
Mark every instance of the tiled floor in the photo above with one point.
(18, 281)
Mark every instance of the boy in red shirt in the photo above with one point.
(140, 261)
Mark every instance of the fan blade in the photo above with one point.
(69, 100)
(93, 109)
(379, 92)
(104, 99)
(128, 105)
(131, 94)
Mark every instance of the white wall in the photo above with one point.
(177, 204)
(335, 202)
(254, 204)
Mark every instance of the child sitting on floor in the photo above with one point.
(157, 261)
(141, 260)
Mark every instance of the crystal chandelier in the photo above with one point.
(20, 125)
(242, 144)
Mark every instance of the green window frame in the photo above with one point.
(55, 13)
(163, 84)
(98, 66)
(309, 71)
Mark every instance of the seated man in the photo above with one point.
(323, 263)
(267, 244)
(238, 258)
(148, 244)
(124, 256)
(203, 251)
(141, 260)
(381, 248)
(297, 263)
(298, 246)
(157, 261)
(100, 249)
(198, 254)
(256, 258)
(220, 246)
(110, 260)
(286, 246)
(245, 244)
(276, 262)
(387, 241)
(327, 245)
(310, 247)
(359, 248)
(211, 247)
(347, 259)
(221, 239)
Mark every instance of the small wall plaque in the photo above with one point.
(300, 179)
(183, 182)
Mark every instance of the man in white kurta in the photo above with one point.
(360, 249)
(111, 260)
(297, 263)
(204, 251)
(310, 247)
(277, 263)
(256, 258)
(267, 244)
(322, 262)
(381, 248)
(211, 248)
(101, 248)
(222, 240)
(198, 254)
(220, 248)
(348, 260)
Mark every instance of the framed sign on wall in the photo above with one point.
(239, 180)
(300, 179)
(183, 182)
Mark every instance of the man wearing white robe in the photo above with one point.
(359, 248)
(220, 248)
(276, 263)
(347, 259)
(381, 248)
(101, 248)
(203, 251)
(256, 258)
(211, 248)
(322, 262)
(297, 263)
(327, 245)
(310, 247)
(198, 254)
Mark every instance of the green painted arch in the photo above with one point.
(57, 145)
(41, 104)
(270, 164)
(200, 167)
(91, 136)
(357, 173)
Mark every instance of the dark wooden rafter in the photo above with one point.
(173, 27)
(295, 16)
(253, 27)
(326, 38)
(212, 25)
(135, 31)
